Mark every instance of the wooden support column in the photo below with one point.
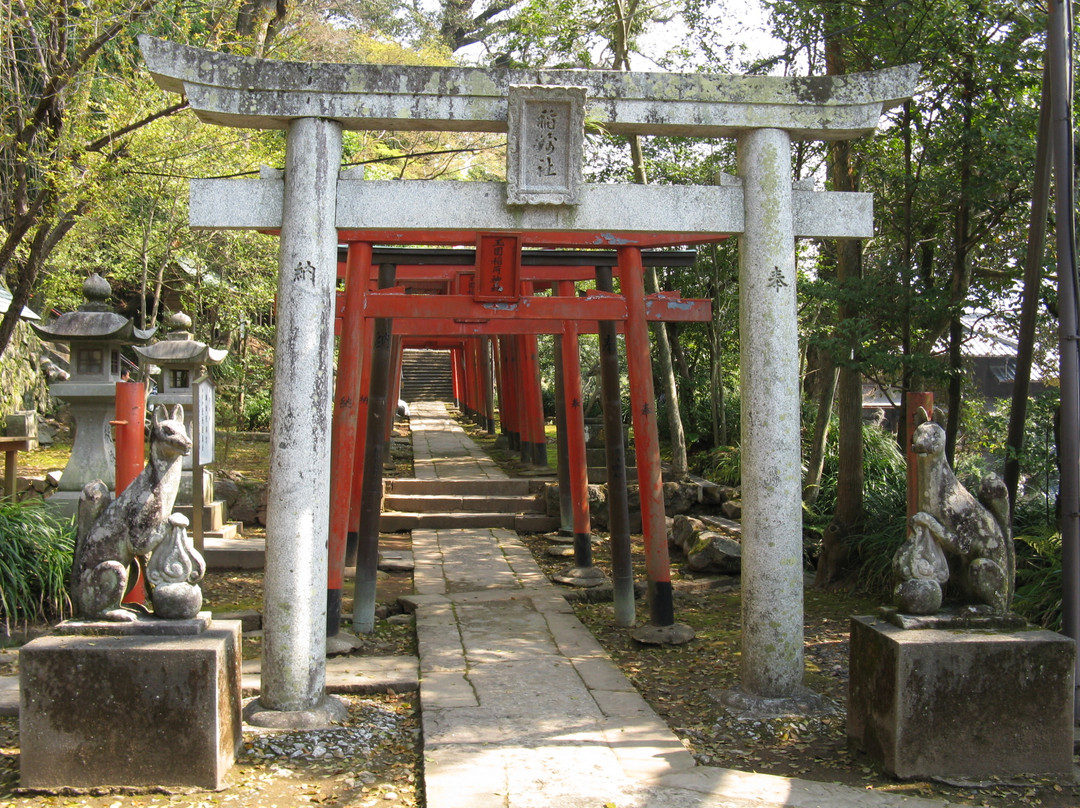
(346, 404)
(663, 627)
(488, 385)
(367, 556)
(566, 503)
(536, 453)
(622, 570)
(455, 368)
(583, 572)
(358, 452)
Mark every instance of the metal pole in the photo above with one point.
(1060, 50)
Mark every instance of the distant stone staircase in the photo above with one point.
(426, 375)
(515, 504)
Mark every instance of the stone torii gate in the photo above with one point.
(313, 201)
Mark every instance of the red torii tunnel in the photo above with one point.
(487, 300)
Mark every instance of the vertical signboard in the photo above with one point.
(498, 267)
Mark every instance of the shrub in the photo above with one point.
(35, 563)
(257, 411)
(1038, 567)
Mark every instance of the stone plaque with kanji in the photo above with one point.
(545, 145)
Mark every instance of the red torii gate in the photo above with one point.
(467, 294)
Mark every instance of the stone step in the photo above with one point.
(229, 530)
(396, 521)
(442, 503)
(213, 514)
(233, 553)
(498, 488)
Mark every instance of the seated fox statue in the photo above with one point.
(112, 534)
(955, 537)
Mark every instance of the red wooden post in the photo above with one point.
(915, 402)
(471, 376)
(646, 439)
(455, 353)
(358, 453)
(534, 451)
(575, 438)
(346, 406)
(130, 438)
(511, 413)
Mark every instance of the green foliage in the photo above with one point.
(257, 411)
(1038, 568)
(35, 563)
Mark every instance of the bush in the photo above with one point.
(257, 411)
(35, 563)
(1038, 567)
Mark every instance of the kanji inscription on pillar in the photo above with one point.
(545, 144)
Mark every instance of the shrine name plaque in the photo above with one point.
(498, 267)
(545, 145)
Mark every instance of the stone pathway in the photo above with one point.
(522, 708)
(442, 450)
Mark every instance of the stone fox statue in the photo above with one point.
(112, 534)
(974, 534)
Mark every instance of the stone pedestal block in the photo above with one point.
(130, 710)
(962, 702)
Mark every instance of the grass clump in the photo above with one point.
(35, 562)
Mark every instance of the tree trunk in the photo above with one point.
(849, 484)
(1029, 305)
(816, 461)
(666, 371)
(956, 381)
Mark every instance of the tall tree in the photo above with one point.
(60, 139)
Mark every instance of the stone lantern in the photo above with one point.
(181, 361)
(95, 335)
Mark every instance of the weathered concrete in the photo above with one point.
(962, 703)
(772, 579)
(297, 509)
(264, 94)
(130, 711)
(421, 205)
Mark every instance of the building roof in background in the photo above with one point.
(5, 304)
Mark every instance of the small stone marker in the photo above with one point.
(545, 145)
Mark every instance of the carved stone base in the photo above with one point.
(961, 702)
(100, 711)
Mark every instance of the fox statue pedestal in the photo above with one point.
(961, 701)
(149, 702)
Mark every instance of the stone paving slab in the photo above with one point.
(357, 675)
